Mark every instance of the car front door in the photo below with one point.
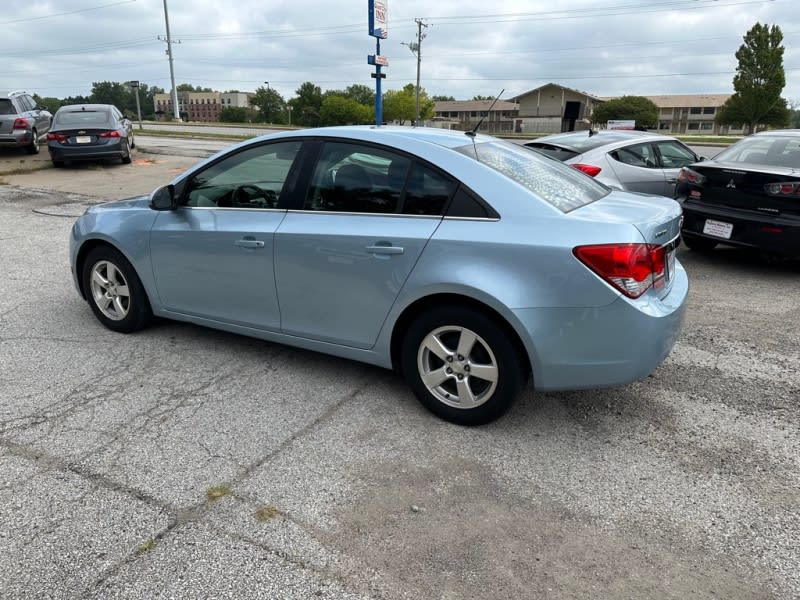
(673, 157)
(213, 256)
(342, 258)
(637, 167)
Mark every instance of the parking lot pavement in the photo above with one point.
(186, 462)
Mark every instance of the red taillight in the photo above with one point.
(771, 229)
(588, 169)
(21, 123)
(631, 268)
(785, 188)
(109, 134)
(57, 137)
(689, 176)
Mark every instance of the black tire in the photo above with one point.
(126, 158)
(482, 401)
(58, 164)
(33, 147)
(698, 244)
(116, 296)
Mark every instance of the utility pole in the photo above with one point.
(176, 111)
(416, 48)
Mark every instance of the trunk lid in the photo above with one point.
(751, 189)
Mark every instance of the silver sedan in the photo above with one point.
(636, 161)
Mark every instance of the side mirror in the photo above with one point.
(702, 158)
(163, 198)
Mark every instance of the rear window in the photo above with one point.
(82, 117)
(6, 107)
(582, 142)
(773, 151)
(561, 186)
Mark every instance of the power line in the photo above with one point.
(71, 12)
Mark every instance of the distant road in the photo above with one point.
(212, 129)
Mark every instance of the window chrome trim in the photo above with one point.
(231, 208)
(362, 214)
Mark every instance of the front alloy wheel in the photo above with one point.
(462, 365)
(114, 291)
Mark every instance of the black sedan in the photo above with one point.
(90, 132)
(747, 196)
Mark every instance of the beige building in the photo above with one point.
(466, 114)
(691, 114)
(553, 108)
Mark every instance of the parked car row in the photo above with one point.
(75, 133)
(747, 196)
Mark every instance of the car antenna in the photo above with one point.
(473, 132)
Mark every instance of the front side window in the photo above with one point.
(559, 185)
(675, 155)
(253, 178)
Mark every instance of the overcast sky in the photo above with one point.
(604, 47)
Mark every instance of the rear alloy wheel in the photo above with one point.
(114, 291)
(698, 244)
(126, 160)
(33, 147)
(461, 365)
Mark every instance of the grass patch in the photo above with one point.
(195, 135)
(215, 493)
(31, 169)
(266, 513)
(146, 547)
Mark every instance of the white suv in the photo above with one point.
(23, 123)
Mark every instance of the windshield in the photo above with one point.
(563, 187)
(769, 150)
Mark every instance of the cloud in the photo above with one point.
(605, 47)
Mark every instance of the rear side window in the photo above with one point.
(636, 156)
(563, 187)
(6, 107)
(83, 118)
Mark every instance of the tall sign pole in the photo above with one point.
(379, 29)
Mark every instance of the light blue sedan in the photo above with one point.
(468, 263)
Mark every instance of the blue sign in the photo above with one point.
(378, 18)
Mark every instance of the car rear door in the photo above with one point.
(637, 168)
(344, 255)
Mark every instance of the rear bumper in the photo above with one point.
(774, 234)
(16, 139)
(116, 149)
(584, 348)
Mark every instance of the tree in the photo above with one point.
(306, 104)
(361, 93)
(759, 81)
(339, 110)
(479, 97)
(402, 105)
(51, 104)
(443, 98)
(188, 87)
(270, 104)
(637, 108)
(113, 92)
(233, 114)
(794, 114)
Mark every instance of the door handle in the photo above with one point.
(249, 243)
(671, 181)
(384, 249)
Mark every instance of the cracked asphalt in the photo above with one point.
(182, 462)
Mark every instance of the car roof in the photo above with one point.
(80, 107)
(779, 133)
(388, 133)
(582, 141)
